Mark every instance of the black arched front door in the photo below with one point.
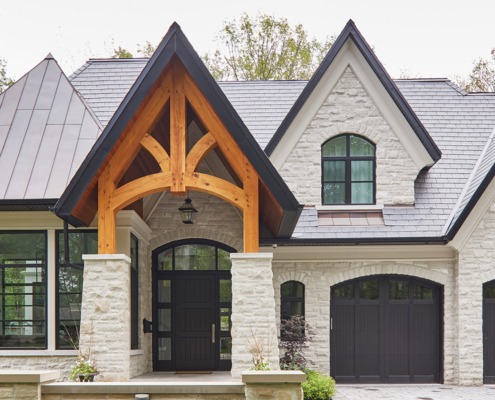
(192, 304)
(385, 328)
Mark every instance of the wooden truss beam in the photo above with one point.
(177, 170)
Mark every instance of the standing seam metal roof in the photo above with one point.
(46, 130)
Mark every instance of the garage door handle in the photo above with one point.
(331, 323)
(213, 333)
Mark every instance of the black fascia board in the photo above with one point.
(176, 43)
(351, 31)
(354, 241)
(27, 204)
(471, 203)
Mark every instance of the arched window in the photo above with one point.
(291, 299)
(348, 170)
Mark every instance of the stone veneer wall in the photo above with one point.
(105, 315)
(215, 220)
(476, 267)
(254, 323)
(349, 109)
(318, 277)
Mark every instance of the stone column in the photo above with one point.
(105, 314)
(253, 311)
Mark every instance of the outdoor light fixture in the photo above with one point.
(187, 211)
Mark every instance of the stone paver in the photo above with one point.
(413, 392)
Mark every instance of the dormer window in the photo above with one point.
(348, 170)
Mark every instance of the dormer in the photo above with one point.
(351, 140)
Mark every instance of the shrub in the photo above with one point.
(318, 386)
(295, 333)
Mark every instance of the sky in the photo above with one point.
(418, 38)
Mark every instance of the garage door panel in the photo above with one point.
(489, 333)
(423, 343)
(395, 328)
(343, 342)
(396, 342)
(367, 336)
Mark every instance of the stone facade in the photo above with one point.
(216, 220)
(349, 109)
(105, 315)
(254, 322)
(476, 267)
(318, 277)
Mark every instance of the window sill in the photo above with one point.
(137, 352)
(350, 207)
(38, 353)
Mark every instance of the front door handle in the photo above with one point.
(213, 333)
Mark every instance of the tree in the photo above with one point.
(146, 50)
(121, 53)
(5, 81)
(482, 77)
(264, 48)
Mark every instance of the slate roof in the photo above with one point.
(46, 130)
(460, 124)
(37, 145)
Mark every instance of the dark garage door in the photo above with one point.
(385, 328)
(489, 332)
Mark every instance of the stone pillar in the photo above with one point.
(253, 311)
(105, 314)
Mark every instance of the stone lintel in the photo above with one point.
(106, 257)
(273, 377)
(248, 256)
(34, 376)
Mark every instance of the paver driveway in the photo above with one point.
(413, 392)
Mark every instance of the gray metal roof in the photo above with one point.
(46, 130)
(460, 124)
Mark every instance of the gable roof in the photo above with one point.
(175, 44)
(351, 32)
(46, 129)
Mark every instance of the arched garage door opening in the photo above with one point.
(386, 328)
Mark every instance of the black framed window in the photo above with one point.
(23, 290)
(134, 251)
(70, 283)
(291, 299)
(348, 171)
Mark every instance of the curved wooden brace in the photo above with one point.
(217, 187)
(156, 150)
(199, 151)
(139, 188)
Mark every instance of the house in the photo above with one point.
(363, 203)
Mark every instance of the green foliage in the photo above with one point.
(84, 366)
(318, 386)
(482, 77)
(295, 333)
(5, 81)
(120, 52)
(264, 48)
(147, 49)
